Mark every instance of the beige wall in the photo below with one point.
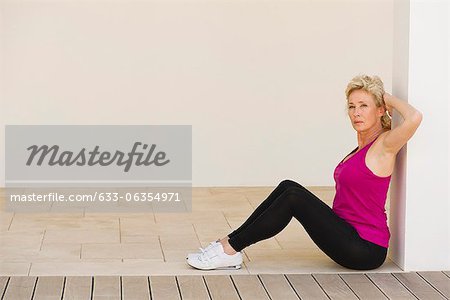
(261, 82)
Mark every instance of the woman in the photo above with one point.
(354, 232)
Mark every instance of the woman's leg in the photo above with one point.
(338, 239)
(283, 186)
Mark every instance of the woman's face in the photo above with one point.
(362, 110)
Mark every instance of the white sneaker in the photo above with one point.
(213, 257)
(211, 245)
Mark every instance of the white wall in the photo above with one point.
(262, 82)
(400, 77)
(448, 90)
(420, 206)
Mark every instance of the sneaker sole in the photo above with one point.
(220, 268)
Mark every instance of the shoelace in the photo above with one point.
(205, 255)
(211, 245)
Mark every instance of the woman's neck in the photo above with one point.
(366, 137)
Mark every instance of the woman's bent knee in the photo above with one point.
(289, 183)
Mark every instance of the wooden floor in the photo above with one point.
(413, 285)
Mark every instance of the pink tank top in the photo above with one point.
(361, 196)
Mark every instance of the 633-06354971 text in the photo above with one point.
(99, 196)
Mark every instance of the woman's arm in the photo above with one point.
(397, 137)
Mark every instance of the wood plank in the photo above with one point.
(77, 287)
(439, 281)
(334, 286)
(106, 287)
(192, 287)
(49, 288)
(419, 287)
(390, 286)
(362, 286)
(306, 287)
(135, 287)
(278, 287)
(164, 287)
(249, 287)
(424, 285)
(3, 283)
(221, 287)
(20, 287)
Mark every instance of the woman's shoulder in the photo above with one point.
(380, 162)
(377, 147)
(382, 135)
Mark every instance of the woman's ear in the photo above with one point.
(381, 110)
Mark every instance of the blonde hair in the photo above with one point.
(374, 86)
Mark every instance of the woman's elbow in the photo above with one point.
(417, 117)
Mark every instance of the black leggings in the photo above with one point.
(333, 235)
